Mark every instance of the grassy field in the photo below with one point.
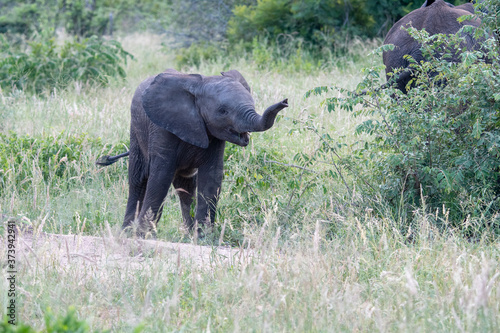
(320, 262)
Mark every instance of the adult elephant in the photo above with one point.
(435, 17)
(179, 126)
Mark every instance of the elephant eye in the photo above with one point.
(222, 110)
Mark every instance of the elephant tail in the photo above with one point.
(108, 160)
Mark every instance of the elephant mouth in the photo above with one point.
(241, 139)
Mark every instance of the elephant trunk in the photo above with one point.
(266, 121)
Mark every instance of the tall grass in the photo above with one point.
(367, 279)
(320, 262)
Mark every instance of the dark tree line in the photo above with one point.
(197, 20)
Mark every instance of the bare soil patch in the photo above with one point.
(65, 250)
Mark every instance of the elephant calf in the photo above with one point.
(436, 17)
(179, 127)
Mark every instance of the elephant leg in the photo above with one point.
(209, 184)
(186, 188)
(137, 191)
(137, 179)
(158, 184)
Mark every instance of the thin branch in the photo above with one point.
(293, 191)
(256, 196)
(335, 166)
(288, 165)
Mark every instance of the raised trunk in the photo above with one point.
(266, 121)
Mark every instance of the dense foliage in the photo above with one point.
(264, 174)
(210, 29)
(53, 324)
(81, 17)
(316, 21)
(437, 147)
(31, 59)
(44, 65)
(301, 35)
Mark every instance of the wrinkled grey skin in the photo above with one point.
(179, 127)
(435, 16)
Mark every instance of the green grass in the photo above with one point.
(321, 263)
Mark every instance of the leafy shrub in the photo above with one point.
(85, 18)
(283, 34)
(45, 65)
(82, 18)
(5, 327)
(199, 21)
(490, 10)
(20, 20)
(436, 148)
(320, 23)
(284, 54)
(251, 179)
(53, 324)
(197, 53)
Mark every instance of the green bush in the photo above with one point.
(80, 18)
(436, 148)
(53, 324)
(198, 21)
(284, 54)
(68, 323)
(20, 20)
(44, 65)
(490, 10)
(197, 53)
(289, 34)
(314, 23)
(263, 180)
(320, 23)
(85, 18)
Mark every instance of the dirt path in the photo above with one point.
(64, 250)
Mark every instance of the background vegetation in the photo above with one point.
(365, 212)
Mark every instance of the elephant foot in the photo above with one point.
(200, 233)
(134, 229)
(197, 231)
(148, 234)
(203, 230)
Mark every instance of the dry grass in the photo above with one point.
(366, 280)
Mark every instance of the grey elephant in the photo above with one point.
(436, 17)
(179, 127)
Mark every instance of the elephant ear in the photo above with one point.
(238, 77)
(169, 104)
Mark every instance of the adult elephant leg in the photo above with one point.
(186, 188)
(209, 184)
(161, 174)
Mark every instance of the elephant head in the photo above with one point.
(196, 107)
(436, 17)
